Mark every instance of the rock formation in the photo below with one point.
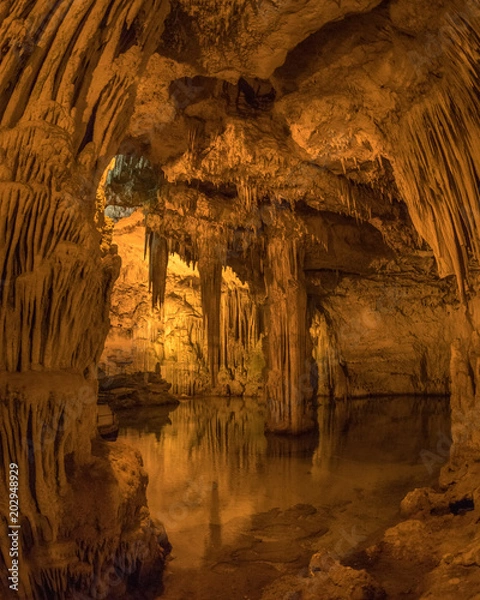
(67, 78)
(309, 177)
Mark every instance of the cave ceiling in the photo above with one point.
(310, 120)
(308, 105)
(328, 151)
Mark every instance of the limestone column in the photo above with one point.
(211, 259)
(288, 388)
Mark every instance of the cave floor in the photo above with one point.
(242, 509)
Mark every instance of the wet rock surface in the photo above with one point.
(326, 152)
(137, 389)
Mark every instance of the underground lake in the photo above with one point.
(243, 509)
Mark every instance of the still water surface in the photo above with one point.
(242, 508)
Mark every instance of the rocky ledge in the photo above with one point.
(137, 389)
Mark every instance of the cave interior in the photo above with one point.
(275, 200)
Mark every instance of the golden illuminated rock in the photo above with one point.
(309, 178)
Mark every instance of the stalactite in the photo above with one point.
(332, 380)
(46, 251)
(239, 332)
(158, 263)
(51, 268)
(178, 340)
(66, 89)
(103, 224)
(248, 194)
(158, 247)
(350, 197)
(437, 154)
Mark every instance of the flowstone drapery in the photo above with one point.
(67, 85)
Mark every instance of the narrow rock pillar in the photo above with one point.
(211, 251)
(288, 388)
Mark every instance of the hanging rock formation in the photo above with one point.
(67, 77)
(210, 264)
(173, 338)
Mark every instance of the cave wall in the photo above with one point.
(383, 330)
(172, 338)
(67, 77)
(377, 337)
(369, 117)
(258, 115)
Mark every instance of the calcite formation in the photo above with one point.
(172, 338)
(67, 76)
(312, 169)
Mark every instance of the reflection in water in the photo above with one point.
(213, 472)
(206, 468)
(215, 525)
(384, 430)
